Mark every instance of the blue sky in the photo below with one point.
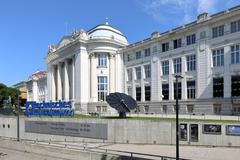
(27, 27)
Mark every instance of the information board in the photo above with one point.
(86, 130)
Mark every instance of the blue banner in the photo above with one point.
(60, 108)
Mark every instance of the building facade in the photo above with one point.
(204, 52)
(37, 87)
(85, 67)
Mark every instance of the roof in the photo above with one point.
(39, 74)
(106, 31)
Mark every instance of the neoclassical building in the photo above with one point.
(86, 66)
(204, 52)
(36, 86)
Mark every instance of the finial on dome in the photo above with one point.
(106, 21)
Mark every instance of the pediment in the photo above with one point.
(64, 41)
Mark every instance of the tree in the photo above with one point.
(6, 92)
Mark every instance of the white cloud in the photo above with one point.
(206, 6)
(177, 11)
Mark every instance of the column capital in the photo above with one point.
(111, 55)
(92, 55)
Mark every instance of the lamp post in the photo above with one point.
(177, 123)
(18, 123)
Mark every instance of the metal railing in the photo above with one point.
(85, 147)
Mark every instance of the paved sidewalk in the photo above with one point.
(189, 152)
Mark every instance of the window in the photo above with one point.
(165, 67)
(165, 47)
(191, 39)
(154, 49)
(218, 31)
(102, 60)
(235, 26)
(191, 63)
(191, 89)
(101, 109)
(104, 108)
(102, 88)
(179, 90)
(202, 34)
(235, 86)
(138, 73)
(218, 57)
(236, 109)
(177, 43)
(218, 87)
(147, 52)
(129, 91)
(235, 56)
(177, 65)
(217, 109)
(129, 74)
(146, 109)
(138, 55)
(147, 93)
(129, 57)
(147, 69)
(164, 108)
(190, 108)
(212, 129)
(138, 93)
(165, 91)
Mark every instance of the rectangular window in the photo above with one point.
(235, 26)
(218, 57)
(138, 93)
(129, 91)
(235, 54)
(147, 69)
(191, 39)
(147, 52)
(146, 109)
(138, 73)
(165, 47)
(165, 91)
(235, 86)
(191, 63)
(179, 90)
(102, 88)
(102, 60)
(217, 108)
(147, 93)
(177, 43)
(236, 109)
(190, 108)
(154, 49)
(212, 129)
(191, 89)
(177, 65)
(165, 67)
(129, 74)
(164, 108)
(138, 55)
(218, 89)
(218, 31)
(129, 57)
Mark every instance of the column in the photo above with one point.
(227, 74)
(184, 80)
(142, 84)
(73, 79)
(170, 82)
(133, 83)
(59, 82)
(53, 84)
(93, 84)
(111, 73)
(66, 81)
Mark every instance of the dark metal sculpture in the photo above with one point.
(121, 102)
